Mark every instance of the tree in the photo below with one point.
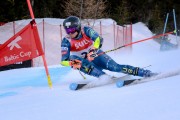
(43, 8)
(11, 10)
(122, 14)
(156, 22)
(86, 9)
(57, 9)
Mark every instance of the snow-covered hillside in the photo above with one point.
(24, 94)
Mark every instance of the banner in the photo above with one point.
(24, 45)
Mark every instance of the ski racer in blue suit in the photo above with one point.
(80, 49)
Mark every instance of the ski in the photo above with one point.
(155, 77)
(121, 81)
(77, 86)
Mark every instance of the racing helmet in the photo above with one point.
(72, 24)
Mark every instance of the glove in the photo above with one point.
(92, 54)
(75, 64)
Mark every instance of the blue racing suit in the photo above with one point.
(72, 49)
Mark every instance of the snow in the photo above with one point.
(24, 94)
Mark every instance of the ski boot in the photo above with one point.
(145, 73)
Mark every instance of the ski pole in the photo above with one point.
(78, 62)
(82, 75)
(147, 66)
(137, 42)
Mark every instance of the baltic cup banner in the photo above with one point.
(23, 46)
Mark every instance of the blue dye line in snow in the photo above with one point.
(34, 78)
(6, 94)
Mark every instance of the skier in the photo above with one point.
(80, 49)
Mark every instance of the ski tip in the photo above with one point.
(119, 83)
(73, 86)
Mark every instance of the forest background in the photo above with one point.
(151, 12)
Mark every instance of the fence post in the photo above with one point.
(126, 39)
(123, 34)
(100, 29)
(131, 34)
(114, 34)
(14, 32)
(44, 37)
(60, 32)
(117, 36)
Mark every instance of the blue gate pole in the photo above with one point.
(165, 23)
(163, 37)
(175, 24)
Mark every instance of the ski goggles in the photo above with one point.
(70, 30)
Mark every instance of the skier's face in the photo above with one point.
(72, 32)
(73, 35)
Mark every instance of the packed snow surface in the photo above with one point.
(25, 95)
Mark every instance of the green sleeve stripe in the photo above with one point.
(97, 43)
(65, 63)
